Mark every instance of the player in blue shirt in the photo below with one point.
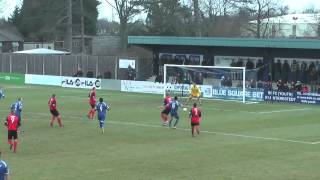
(174, 107)
(1, 93)
(17, 107)
(4, 170)
(102, 108)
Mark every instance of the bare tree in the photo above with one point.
(197, 23)
(68, 35)
(259, 10)
(218, 7)
(126, 9)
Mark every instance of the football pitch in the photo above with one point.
(258, 141)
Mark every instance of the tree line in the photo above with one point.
(48, 20)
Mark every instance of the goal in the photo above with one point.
(215, 82)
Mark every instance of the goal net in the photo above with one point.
(215, 82)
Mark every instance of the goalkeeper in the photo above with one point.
(194, 93)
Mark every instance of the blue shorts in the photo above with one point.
(175, 115)
(101, 121)
(101, 117)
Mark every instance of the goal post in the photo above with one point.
(215, 82)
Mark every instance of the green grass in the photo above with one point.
(136, 146)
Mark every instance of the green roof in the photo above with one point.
(225, 42)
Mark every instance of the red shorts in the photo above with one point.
(12, 134)
(195, 123)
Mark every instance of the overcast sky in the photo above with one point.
(106, 11)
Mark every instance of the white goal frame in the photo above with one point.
(211, 67)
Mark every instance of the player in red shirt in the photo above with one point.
(166, 110)
(92, 102)
(195, 117)
(53, 110)
(12, 122)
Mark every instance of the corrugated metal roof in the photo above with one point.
(225, 42)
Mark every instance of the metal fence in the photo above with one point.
(68, 65)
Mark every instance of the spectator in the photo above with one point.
(79, 73)
(285, 87)
(280, 85)
(187, 61)
(252, 83)
(186, 78)
(174, 80)
(318, 89)
(298, 86)
(249, 64)
(303, 72)
(294, 70)
(260, 69)
(249, 68)
(305, 89)
(131, 73)
(239, 63)
(268, 85)
(233, 64)
(260, 84)
(277, 70)
(199, 79)
(318, 70)
(292, 87)
(179, 78)
(285, 71)
(313, 79)
(310, 68)
(223, 81)
(228, 82)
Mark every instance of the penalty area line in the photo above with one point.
(283, 110)
(318, 142)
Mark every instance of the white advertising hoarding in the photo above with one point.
(157, 88)
(78, 82)
(141, 87)
(43, 79)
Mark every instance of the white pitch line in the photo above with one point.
(203, 131)
(220, 133)
(284, 110)
(253, 112)
(318, 142)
